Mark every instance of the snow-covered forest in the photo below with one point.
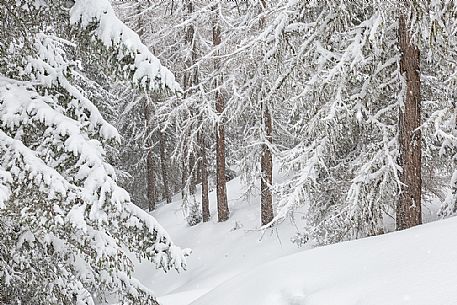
(230, 152)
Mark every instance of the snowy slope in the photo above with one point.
(232, 264)
(220, 251)
(417, 266)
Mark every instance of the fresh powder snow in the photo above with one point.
(232, 263)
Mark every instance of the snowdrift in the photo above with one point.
(416, 266)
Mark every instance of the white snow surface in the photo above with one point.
(220, 251)
(417, 266)
(242, 267)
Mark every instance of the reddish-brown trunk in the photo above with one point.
(408, 212)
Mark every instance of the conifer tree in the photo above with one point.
(66, 225)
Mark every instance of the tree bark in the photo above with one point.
(189, 38)
(191, 81)
(150, 171)
(266, 199)
(183, 178)
(266, 161)
(187, 83)
(204, 179)
(222, 205)
(221, 191)
(163, 163)
(408, 213)
(193, 174)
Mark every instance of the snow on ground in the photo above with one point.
(220, 251)
(233, 264)
(416, 266)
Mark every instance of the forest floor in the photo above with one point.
(232, 263)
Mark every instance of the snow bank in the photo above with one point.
(220, 251)
(232, 264)
(417, 266)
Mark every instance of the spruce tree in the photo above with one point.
(66, 228)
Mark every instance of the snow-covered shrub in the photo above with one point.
(194, 216)
(300, 239)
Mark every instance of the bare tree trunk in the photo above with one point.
(266, 162)
(221, 191)
(266, 200)
(204, 178)
(408, 212)
(163, 163)
(150, 171)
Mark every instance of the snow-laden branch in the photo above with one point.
(113, 33)
(5, 190)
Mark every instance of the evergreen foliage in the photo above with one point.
(68, 232)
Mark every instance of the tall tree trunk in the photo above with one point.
(266, 200)
(163, 163)
(191, 79)
(189, 38)
(221, 191)
(150, 171)
(148, 113)
(204, 179)
(200, 173)
(193, 174)
(222, 205)
(187, 82)
(183, 178)
(408, 212)
(266, 160)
